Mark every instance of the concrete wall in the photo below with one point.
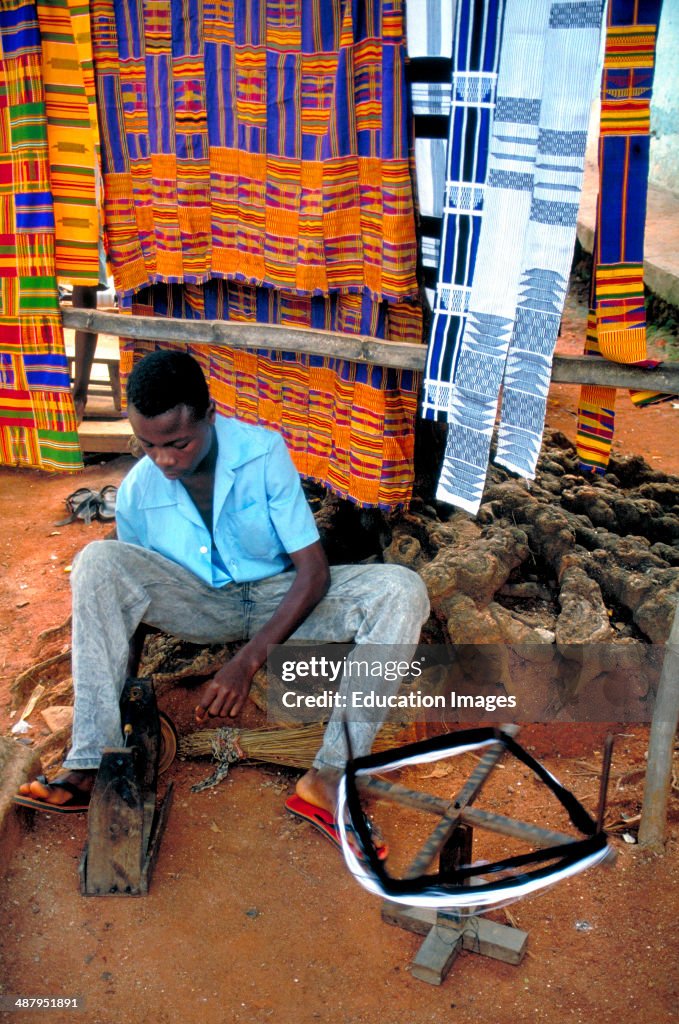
(664, 169)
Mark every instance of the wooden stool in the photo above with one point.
(99, 387)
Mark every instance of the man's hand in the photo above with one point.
(226, 692)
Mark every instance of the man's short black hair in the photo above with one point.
(166, 379)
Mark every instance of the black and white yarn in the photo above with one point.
(450, 891)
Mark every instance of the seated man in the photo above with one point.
(216, 543)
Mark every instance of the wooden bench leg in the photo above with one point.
(114, 381)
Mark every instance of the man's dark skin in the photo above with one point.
(185, 449)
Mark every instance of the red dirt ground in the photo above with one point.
(253, 917)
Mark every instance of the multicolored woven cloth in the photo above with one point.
(37, 421)
(264, 141)
(73, 136)
(476, 50)
(262, 150)
(347, 425)
(616, 326)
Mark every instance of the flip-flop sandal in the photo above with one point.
(326, 824)
(82, 504)
(78, 803)
(106, 506)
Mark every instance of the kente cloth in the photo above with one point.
(37, 420)
(478, 364)
(616, 326)
(268, 146)
(349, 426)
(475, 59)
(429, 33)
(73, 137)
(573, 42)
(264, 141)
(545, 83)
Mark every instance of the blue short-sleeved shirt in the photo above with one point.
(260, 511)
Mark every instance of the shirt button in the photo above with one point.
(203, 550)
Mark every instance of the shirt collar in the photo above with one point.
(237, 445)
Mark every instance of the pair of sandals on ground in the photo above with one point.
(36, 795)
(86, 504)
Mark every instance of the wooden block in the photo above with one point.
(106, 436)
(436, 955)
(495, 940)
(419, 920)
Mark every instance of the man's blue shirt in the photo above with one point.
(260, 512)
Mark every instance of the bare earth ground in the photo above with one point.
(252, 915)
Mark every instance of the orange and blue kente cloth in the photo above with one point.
(37, 421)
(616, 327)
(256, 166)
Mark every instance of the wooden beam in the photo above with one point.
(354, 347)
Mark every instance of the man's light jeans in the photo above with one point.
(117, 586)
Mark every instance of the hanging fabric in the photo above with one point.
(347, 425)
(37, 421)
(429, 74)
(526, 241)
(571, 61)
(479, 361)
(460, 194)
(616, 327)
(266, 145)
(72, 136)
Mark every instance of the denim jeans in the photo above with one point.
(117, 586)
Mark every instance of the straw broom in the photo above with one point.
(294, 746)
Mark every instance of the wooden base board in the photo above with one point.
(445, 938)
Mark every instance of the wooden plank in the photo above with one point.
(419, 920)
(436, 955)
(532, 834)
(105, 436)
(434, 843)
(399, 794)
(481, 772)
(498, 941)
(356, 348)
(114, 854)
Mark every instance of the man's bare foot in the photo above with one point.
(66, 787)
(319, 787)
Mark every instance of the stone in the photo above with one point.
(583, 618)
(477, 570)
(57, 716)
